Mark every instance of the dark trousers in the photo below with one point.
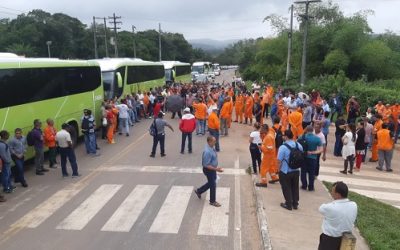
(70, 154)
(211, 184)
(290, 187)
(103, 132)
(158, 138)
(19, 171)
(365, 151)
(349, 161)
(308, 169)
(215, 133)
(52, 156)
(305, 124)
(179, 114)
(338, 146)
(329, 243)
(189, 136)
(265, 112)
(255, 157)
(317, 164)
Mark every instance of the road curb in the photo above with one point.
(262, 218)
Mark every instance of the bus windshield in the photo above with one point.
(199, 69)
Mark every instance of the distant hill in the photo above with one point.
(210, 45)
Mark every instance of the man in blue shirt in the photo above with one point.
(288, 177)
(314, 148)
(210, 169)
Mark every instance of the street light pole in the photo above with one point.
(159, 40)
(48, 43)
(306, 18)
(134, 41)
(289, 45)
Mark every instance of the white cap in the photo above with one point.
(214, 107)
(186, 110)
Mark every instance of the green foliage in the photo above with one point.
(27, 35)
(336, 60)
(377, 222)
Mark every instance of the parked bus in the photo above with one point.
(122, 76)
(176, 71)
(47, 88)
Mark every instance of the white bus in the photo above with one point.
(201, 70)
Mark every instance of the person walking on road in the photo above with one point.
(288, 177)
(339, 217)
(187, 125)
(210, 169)
(160, 124)
(214, 125)
(18, 149)
(64, 143)
(385, 148)
(255, 142)
(314, 148)
(349, 149)
(38, 145)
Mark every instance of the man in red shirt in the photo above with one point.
(187, 125)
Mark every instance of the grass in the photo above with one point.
(378, 222)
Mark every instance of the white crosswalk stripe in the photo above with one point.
(129, 211)
(81, 216)
(170, 216)
(214, 221)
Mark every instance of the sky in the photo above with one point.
(199, 19)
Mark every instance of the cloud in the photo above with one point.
(217, 19)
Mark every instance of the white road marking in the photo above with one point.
(39, 214)
(166, 169)
(238, 212)
(81, 216)
(360, 182)
(363, 173)
(215, 220)
(128, 212)
(170, 216)
(378, 194)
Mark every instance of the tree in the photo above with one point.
(336, 61)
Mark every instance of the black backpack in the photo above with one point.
(85, 123)
(296, 157)
(29, 138)
(153, 128)
(278, 137)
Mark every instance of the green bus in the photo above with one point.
(122, 76)
(176, 71)
(39, 88)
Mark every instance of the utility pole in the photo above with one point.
(306, 18)
(159, 40)
(105, 35)
(96, 55)
(115, 23)
(134, 41)
(289, 45)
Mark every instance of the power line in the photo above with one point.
(7, 8)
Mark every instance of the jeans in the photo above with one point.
(70, 154)
(52, 156)
(211, 184)
(6, 176)
(385, 156)
(158, 138)
(215, 133)
(338, 146)
(19, 164)
(104, 132)
(255, 157)
(224, 126)
(290, 187)
(39, 158)
(309, 169)
(265, 111)
(90, 143)
(200, 127)
(189, 136)
(365, 151)
(123, 125)
(317, 165)
(131, 118)
(349, 159)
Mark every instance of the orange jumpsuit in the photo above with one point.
(380, 108)
(395, 114)
(269, 162)
(230, 112)
(248, 113)
(295, 121)
(284, 119)
(239, 105)
(377, 127)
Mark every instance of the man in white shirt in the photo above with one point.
(339, 217)
(64, 142)
(123, 117)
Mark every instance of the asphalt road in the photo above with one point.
(127, 200)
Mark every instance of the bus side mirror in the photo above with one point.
(119, 79)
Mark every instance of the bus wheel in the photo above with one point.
(74, 134)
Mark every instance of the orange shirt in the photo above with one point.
(268, 144)
(296, 119)
(146, 100)
(380, 108)
(213, 121)
(377, 126)
(225, 110)
(49, 136)
(249, 105)
(270, 94)
(385, 142)
(239, 102)
(395, 111)
(200, 111)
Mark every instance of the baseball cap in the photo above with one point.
(186, 110)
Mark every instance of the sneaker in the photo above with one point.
(24, 184)
(259, 184)
(127, 135)
(215, 204)
(190, 152)
(380, 169)
(7, 191)
(182, 152)
(75, 175)
(343, 172)
(54, 166)
(163, 155)
(273, 181)
(152, 155)
(39, 173)
(65, 175)
(286, 206)
(350, 172)
(389, 170)
(44, 170)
